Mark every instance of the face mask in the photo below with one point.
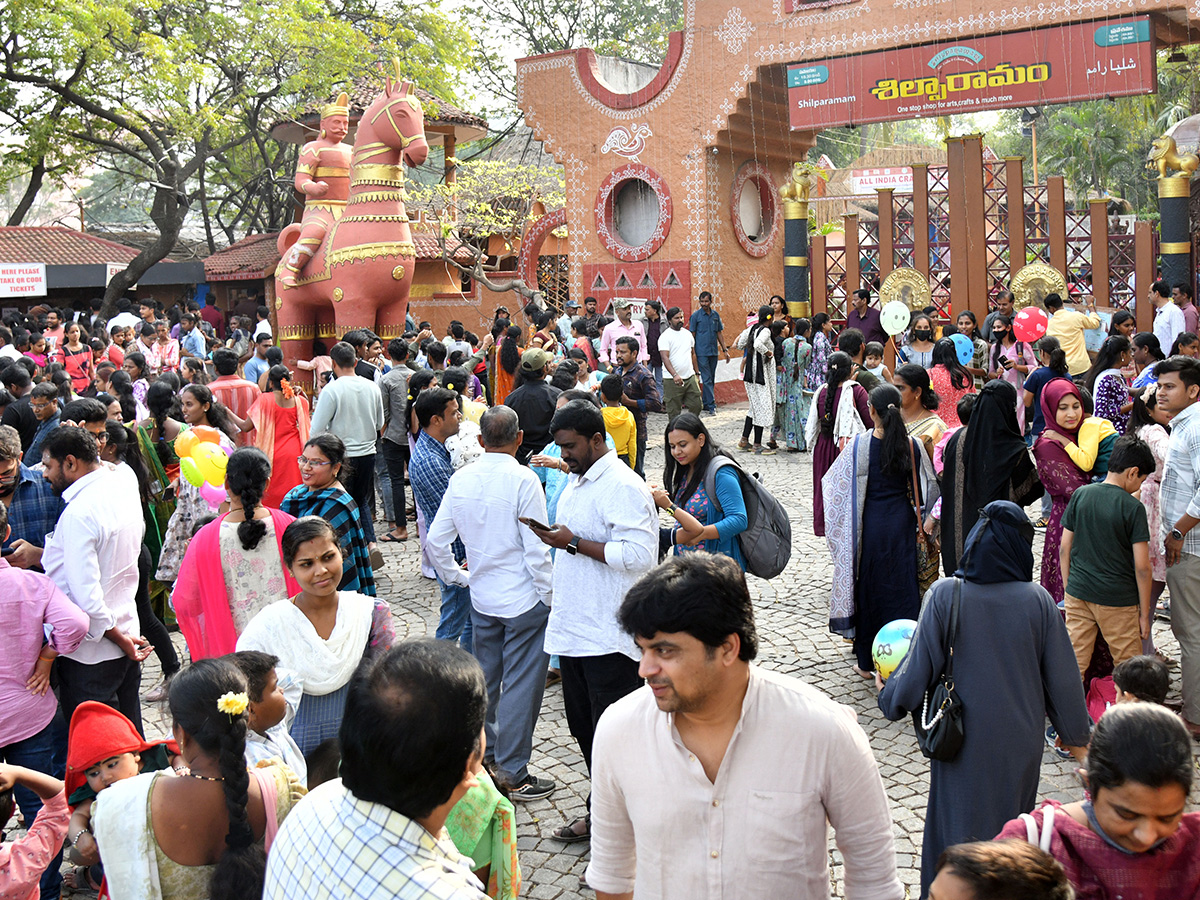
(922, 335)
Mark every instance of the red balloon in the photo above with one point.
(1030, 324)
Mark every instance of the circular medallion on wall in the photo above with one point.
(755, 210)
(633, 212)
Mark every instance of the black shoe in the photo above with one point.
(531, 788)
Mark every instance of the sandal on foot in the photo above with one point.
(568, 834)
(376, 559)
(392, 539)
(743, 444)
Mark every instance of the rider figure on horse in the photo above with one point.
(323, 176)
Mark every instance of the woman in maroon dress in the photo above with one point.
(834, 418)
(1062, 407)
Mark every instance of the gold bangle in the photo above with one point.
(48, 659)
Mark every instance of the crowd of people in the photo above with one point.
(313, 755)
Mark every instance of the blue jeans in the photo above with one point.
(658, 370)
(514, 666)
(37, 753)
(455, 623)
(708, 375)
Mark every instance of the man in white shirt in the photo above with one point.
(510, 577)
(92, 555)
(263, 325)
(1169, 322)
(607, 537)
(678, 349)
(718, 778)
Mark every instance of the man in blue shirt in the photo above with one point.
(706, 328)
(33, 507)
(429, 473)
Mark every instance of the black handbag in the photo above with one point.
(940, 734)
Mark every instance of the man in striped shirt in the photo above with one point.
(236, 393)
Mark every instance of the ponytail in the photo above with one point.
(196, 700)
(1056, 354)
(246, 477)
(896, 450)
(840, 367)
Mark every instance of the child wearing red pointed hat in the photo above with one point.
(102, 747)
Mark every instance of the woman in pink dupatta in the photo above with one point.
(232, 571)
(281, 422)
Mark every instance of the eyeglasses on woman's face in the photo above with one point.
(307, 462)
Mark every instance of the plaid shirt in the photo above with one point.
(34, 509)
(340, 510)
(1179, 492)
(640, 386)
(334, 846)
(429, 473)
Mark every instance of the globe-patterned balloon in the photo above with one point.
(891, 646)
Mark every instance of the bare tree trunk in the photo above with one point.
(35, 184)
(168, 213)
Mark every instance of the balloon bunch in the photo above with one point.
(202, 462)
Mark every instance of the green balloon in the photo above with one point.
(191, 472)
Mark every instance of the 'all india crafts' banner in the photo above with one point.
(1059, 64)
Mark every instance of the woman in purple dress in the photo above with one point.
(1062, 407)
(1109, 390)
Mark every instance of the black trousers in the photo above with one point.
(361, 486)
(152, 627)
(114, 682)
(396, 457)
(591, 684)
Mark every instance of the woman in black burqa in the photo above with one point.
(1013, 667)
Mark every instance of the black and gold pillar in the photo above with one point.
(795, 242)
(1174, 238)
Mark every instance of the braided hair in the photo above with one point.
(840, 367)
(193, 700)
(246, 477)
(510, 353)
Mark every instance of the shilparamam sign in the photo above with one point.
(1059, 64)
(22, 280)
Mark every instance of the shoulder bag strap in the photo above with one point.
(953, 626)
(913, 447)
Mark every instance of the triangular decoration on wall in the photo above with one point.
(646, 281)
(599, 284)
(672, 280)
(623, 281)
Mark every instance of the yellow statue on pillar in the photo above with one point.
(323, 176)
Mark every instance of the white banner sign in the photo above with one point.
(22, 280)
(111, 269)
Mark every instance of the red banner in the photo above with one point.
(1059, 64)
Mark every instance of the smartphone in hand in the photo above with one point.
(533, 523)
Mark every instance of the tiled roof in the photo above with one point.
(255, 257)
(249, 258)
(59, 246)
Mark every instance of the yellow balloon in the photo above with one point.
(190, 472)
(214, 469)
(185, 443)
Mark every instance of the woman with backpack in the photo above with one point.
(703, 522)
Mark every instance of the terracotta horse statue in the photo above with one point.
(360, 274)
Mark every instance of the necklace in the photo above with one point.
(203, 777)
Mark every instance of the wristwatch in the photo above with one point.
(573, 546)
(1176, 534)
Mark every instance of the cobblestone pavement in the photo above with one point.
(792, 613)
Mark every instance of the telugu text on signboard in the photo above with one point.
(1059, 64)
(22, 280)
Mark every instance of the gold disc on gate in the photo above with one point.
(1034, 282)
(908, 286)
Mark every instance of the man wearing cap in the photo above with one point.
(534, 403)
(625, 326)
(564, 321)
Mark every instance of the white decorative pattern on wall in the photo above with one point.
(754, 294)
(735, 31)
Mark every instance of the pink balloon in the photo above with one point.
(214, 495)
(1030, 324)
